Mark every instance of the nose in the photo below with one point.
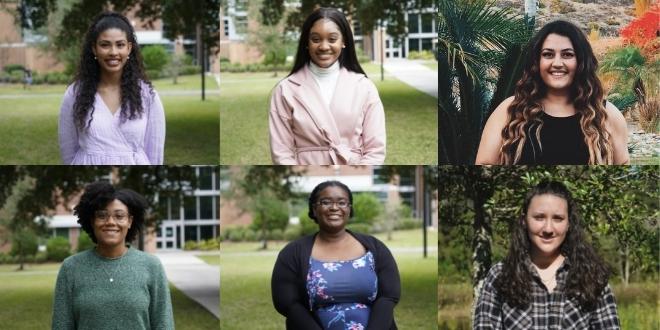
(548, 227)
(557, 62)
(324, 45)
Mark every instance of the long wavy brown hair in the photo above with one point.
(586, 92)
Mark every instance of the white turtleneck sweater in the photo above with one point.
(326, 79)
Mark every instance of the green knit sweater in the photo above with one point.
(137, 297)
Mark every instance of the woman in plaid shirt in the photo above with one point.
(551, 278)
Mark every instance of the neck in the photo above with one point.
(545, 261)
(557, 96)
(110, 79)
(332, 238)
(113, 251)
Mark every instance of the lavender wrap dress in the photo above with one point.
(108, 140)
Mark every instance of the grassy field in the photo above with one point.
(637, 306)
(210, 259)
(411, 119)
(28, 122)
(27, 300)
(245, 285)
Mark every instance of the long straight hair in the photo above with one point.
(347, 58)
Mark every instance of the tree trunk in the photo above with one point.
(264, 239)
(481, 244)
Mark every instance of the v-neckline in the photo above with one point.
(105, 105)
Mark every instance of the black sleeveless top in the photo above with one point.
(562, 142)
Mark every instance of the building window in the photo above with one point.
(205, 232)
(206, 207)
(413, 44)
(190, 233)
(169, 244)
(190, 207)
(240, 24)
(169, 232)
(159, 245)
(226, 26)
(64, 232)
(205, 178)
(413, 24)
(357, 28)
(427, 23)
(427, 44)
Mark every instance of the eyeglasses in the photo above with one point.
(326, 204)
(104, 216)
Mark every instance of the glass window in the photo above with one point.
(205, 232)
(169, 244)
(427, 22)
(427, 44)
(413, 25)
(205, 179)
(159, 245)
(64, 232)
(396, 54)
(190, 233)
(190, 207)
(226, 27)
(169, 232)
(206, 207)
(357, 28)
(175, 208)
(159, 231)
(387, 44)
(413, 44)
(240, 23)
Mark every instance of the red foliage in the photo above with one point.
(644, 30)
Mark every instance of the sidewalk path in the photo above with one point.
(414, 74)
(195, 278)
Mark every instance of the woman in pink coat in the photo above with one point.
(326, 111)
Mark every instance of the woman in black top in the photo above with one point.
(557, 114)
(551, 278)
(335, 279)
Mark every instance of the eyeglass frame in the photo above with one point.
(333, 203)
(109, 215)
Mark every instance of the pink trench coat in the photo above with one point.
(304, 131)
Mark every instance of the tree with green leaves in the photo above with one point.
(480, 50)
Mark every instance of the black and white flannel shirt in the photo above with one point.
(546, 310)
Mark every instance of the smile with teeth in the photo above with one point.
(558, 73)
(113, 62)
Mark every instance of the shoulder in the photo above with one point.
(372, 243)
(294, 247)
(71, 90)
(615, 118)
(77, 259)
(501, 112)
(143, 258)
(494, 271)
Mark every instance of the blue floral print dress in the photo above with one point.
(341, 293)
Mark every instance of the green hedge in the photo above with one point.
(58, 249)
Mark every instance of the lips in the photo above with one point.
(558, 73)
(113, 62)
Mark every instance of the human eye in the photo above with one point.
(547, 54)
(342, 204)
(567, 55)
(102, 215)
(325, 203)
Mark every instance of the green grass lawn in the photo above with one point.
(210, 259)
(637, 305)
(411, 119)
(28, 125)
(245, 285)
(27, 300)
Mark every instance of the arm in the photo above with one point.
(389, 290)
(287, 297)
(160, 306)
(281, 135)
(67, 130)
(488, 309)
(616, 125)
(605, 315)
(154, 137)
(373, 130)
(63, 318)
(491, 137)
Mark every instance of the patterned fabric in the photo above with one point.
(546, 311)
(341, 292)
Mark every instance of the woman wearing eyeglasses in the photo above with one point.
(335, 279)
(111, 286)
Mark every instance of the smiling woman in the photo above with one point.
(335, 279)
(326, 111)
(111, 286)
(551, 277)
(111, 115)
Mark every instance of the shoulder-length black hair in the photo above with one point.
(89, 72)
(347, 58)
(587, 275)
(314, 196)
(98, 195)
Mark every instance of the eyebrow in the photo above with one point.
(562, 50)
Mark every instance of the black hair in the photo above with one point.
(98, 195)
(314, 195)
(347, 58)
(89, 72)
(588, 274)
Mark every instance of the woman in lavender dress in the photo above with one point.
(111, 115)
(335, 279)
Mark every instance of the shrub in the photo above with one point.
(84, 242)
(190, 245)
(292, 232)
(276, 235)
(41, 257)
(209, 244)
(13, 67)
(24, 242)
(250, 235)
(236, 234)
(423, 55)
(362, 228)
(408, 223)
(307, 225)
(155, 58)
(58, 249)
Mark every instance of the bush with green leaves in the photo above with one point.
(84, 242)
(155, 59)
(423, 55)
(366, 208)
(58, 249)
(24, 243)
(190, 245)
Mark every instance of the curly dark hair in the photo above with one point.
(588, 274)
(314, 196)
(88, 74)
(586, 93)
(98, 195)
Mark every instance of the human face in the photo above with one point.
(558, 62)
(547, 224)
(112, 50)
(332, 218)
(112, 223)
(325, 43)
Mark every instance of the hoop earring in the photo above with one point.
(95, 57)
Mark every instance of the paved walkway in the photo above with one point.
(414, 74)
(195, 278)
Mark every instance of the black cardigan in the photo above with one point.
(288, 284)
